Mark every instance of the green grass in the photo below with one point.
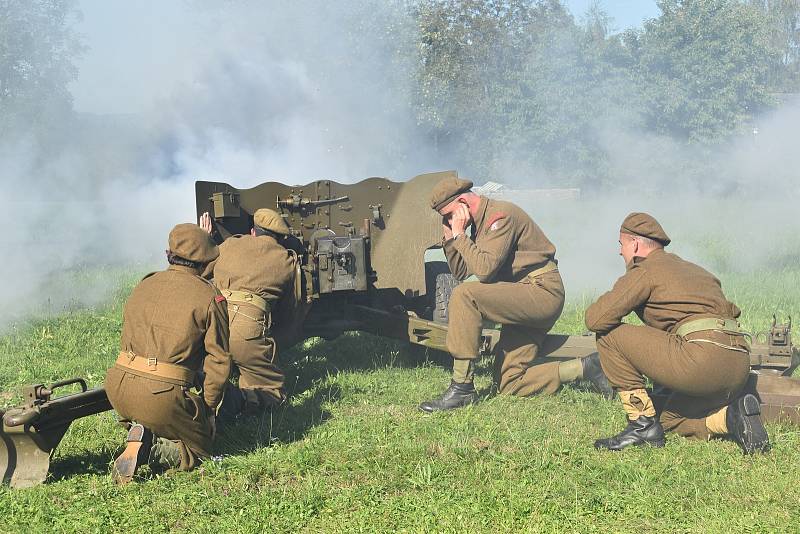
(350, 452)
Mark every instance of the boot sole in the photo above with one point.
(751, 435)
(128, 462)
(655, 444)
(427, 407)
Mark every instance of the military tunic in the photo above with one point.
(505, 246)
(666, 292)
(261, 266)
(177, 318)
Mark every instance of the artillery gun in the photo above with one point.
(369, 261)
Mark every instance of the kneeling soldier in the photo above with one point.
(258, 276)
(691, 343)
(175, 324)
(518, 286)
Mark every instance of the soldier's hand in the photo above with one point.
(205, 222)
(212, 419)
(448, 232)
(460, 219)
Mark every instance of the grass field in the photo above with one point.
(350, 451)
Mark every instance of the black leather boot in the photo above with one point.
(456, 396)
(136, 453)
(233, 403)
(593, 373)
(744, 424)
(643, 431)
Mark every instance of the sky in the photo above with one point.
(626, 13)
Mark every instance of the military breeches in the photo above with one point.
(169, 411)
(527, 310)
(254, 354)
(702, 376)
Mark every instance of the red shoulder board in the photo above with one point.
(495, 219)
(219, 298)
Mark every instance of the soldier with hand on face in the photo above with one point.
(258, 275)
(175, 325)
(518, 286)
(690, 343)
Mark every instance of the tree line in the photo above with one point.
(497, 85)
(523, 77)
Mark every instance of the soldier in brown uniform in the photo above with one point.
(257, 275)
(518, 286)
(175, 324)
(690, 343)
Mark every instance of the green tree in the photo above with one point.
(784, 19)
(37, 48)
(703, 67)
(516, 90)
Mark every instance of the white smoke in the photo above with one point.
(245, 92)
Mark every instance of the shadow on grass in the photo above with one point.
(89, 462)
(308, 367)
(285, 424)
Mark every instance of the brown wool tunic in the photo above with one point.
(179, 318)
(515, 247)
(504, 247)
(254, 263)
(666, 291)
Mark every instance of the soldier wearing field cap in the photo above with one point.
(175, 326)
(518, 285)
(259, 277)
(690, 343)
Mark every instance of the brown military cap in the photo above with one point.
(191, 243)
(447, 190)
(644, 225)
(270, 220)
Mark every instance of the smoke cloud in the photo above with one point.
(246, 92)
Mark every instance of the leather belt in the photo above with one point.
(548, 267)
(246, 297)
(158, 370)
(730, 327)
(726, 326)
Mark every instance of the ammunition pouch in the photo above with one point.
(548, 267)
(730, 327)
(157, 370)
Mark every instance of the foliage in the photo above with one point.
(784, 21)
(38, 46)
(510, 87)
(703, 67)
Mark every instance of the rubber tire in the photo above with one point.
(445, 283)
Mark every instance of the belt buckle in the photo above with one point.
(152, 362)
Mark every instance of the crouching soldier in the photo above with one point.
(175, 325)
(690, 343)
(518, 286)
(258, 275)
